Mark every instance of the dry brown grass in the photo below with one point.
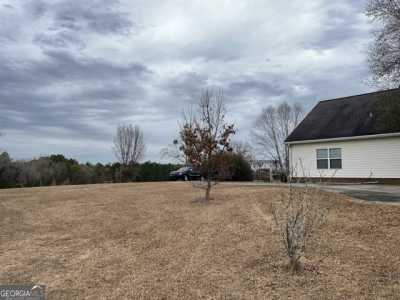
(152, 240)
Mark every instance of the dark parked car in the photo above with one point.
(185, 173)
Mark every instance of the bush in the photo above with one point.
(298, 214)
(233, 167)
(150, 171)
(241, 169)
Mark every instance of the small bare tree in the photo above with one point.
(205, 135)
(272, 127)
(129, 144)
(384, 54)
(299, 212)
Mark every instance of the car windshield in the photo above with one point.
(183, 169)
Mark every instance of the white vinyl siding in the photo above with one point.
(368, 158)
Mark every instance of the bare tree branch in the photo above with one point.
(272, 127)
(384, 54)
(129, 144)
(298, 214)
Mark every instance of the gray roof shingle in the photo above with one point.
(343, 117)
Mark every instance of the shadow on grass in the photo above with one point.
(279, 266)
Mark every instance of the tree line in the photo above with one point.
(59, 170)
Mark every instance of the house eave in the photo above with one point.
(350, 138)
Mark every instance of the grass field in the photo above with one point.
(155, 241)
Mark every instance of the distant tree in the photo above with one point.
(44, 167)
(28, 176)
(115, 172)
(384, 54)
(81, 174)
(245, 150)
(58, 158)
(272, 127)
(129, 148)
(100, 173)
(42, 172)
(60, 173)
(8, 172)
(204, 135)
(129, 144)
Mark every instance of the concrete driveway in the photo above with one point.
(369, 192)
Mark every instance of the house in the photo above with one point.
(345, 139)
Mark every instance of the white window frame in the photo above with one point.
(324, 158)
(328, 158)
(335, 158)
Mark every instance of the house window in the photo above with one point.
(335, 158)
(322, 159)
(329, 158)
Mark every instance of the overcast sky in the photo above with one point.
(72, 70)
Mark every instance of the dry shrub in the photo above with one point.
(298, 213)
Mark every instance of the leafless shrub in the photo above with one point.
(299, 212)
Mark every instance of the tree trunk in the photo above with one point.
(208, 189)
(294, 264)
(209, 169)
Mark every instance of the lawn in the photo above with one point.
(155, 241)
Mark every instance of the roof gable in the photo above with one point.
(344, 117)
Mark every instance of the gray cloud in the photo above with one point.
(98, 16)
(67, 24)
(62, 39)
(71, 71)
(71, 93)
(61, 66)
